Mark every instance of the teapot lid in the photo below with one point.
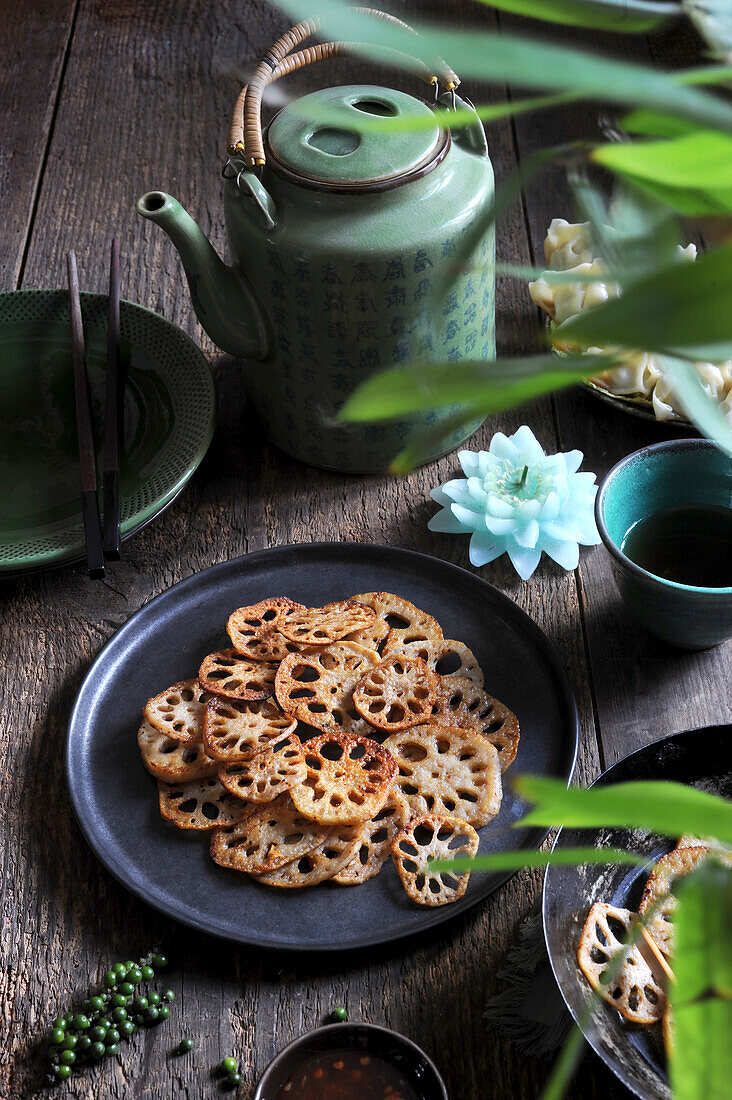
(314, 140)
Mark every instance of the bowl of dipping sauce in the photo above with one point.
(351, 1062)
(664, 514)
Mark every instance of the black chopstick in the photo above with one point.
(113, 418)
(85, 436)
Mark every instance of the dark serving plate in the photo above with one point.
(115, 799)
(701, 758)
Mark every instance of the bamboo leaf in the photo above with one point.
(561, 857)
(714, 20)
(628, 16)
(701, 999)
(692, 172)
(487, 55)
(435, 440)
(486, 112)
(482, 386)
(666, 808)
(682, 309)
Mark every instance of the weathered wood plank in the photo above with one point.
(34, 37)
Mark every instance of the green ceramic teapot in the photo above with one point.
(338, 235)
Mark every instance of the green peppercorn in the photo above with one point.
(58, 1035)
(97, 1051)
(340, 1012)
(159, 961)
(80, 1022)
(60, 1021)
(119, 969)
(96, 1004)
(110, 979)
(228, 1065)
(63, 1072)
(134, 975)
(235, 1080)
(70, 1042)
(151, 1014)
(67, 1057)
(127, 1028)
(98, 1034)
(53, 1069)
(163, 1012)
(147, 973)
(119, 1014)
(153, 998)
(111, 1049)
(84, 1044)
(127, 989)
(140, 1003)
(185, 1045)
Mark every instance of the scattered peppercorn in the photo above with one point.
(108, 1017)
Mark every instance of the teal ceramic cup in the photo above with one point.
(678, 472)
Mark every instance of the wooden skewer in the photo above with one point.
(85, 435)
(654, 957)
(113, 418)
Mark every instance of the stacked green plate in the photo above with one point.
(170, 412)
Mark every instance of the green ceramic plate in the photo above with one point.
(170, 411)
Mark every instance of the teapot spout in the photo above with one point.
(224, 302)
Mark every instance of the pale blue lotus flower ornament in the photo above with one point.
(517, 500)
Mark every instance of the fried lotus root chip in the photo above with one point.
(253, 630)
(443, 655)
(171, 760)
(236, 729)
(348, 779)
(322, 862)
(657, 893)
(461, 702)
(270, 772)
(323, 625)
(635, 993)
(397, 615)
(448, 772)
(375, 842)
(428, 837)
(271, 837)
(228, 673)
(199, 804)
(178, 711)
(317, 687)
(399, 692)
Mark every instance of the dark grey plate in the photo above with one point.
(115, 799)
(701, 758)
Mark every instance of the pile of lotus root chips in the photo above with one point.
(638, 989)
(326, 740)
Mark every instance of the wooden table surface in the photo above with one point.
(100, 102)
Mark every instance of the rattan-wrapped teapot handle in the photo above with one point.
(245, 124)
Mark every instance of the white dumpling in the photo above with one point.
(638, 374)
(562, 300)
(568, 244)
(568, 248)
